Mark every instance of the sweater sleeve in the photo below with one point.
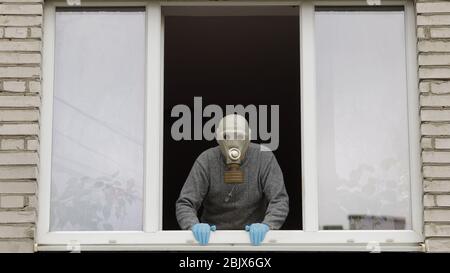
(275, 193)
(191, 196)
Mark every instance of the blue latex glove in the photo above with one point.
(257, 233)
(202, 232)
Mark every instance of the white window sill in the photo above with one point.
(412, 247)
(283, 240)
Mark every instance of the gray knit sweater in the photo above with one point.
(262, 198)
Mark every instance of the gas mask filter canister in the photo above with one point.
(233, 136)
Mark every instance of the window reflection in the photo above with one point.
(98, 123)
(363, 149)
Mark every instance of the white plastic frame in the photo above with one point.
(152, 236)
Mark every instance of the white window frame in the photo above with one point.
(153, 237)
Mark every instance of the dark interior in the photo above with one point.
(232, 60)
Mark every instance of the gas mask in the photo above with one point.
(233, 136)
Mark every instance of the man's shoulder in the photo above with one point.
(260, 151)
(208, 154)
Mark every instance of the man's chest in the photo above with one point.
(249, 190)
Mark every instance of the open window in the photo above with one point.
(240, 58)
(342, 77)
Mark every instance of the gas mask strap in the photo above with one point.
(230, 194)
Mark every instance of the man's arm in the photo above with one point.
(191, 196)
(275, 193)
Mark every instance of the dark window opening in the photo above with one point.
(231, 60)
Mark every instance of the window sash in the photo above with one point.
(152, 236)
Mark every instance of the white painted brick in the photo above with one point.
(18, 172)
(436, 171)
(36, 32)
(426, 143)
(434, 59)
(20, 45)
(437, 245)
(440, 32)
(12, 144)
(424, 87)
(19, 21)
(434, 73)
(442, 143)
(427, 20)
(19, 58)
(429, 200)
(14, 86)
(16, 32)
(437, 215)
(430, 100)
(435, 115)
(19, 72)
(32, 201)
(18, 187)
(17, 246)
(421, 33)
(32, 144)
(440, 87)
(434, 7)
(20, 101)
(18, 158)
(17, 217)
(433, 229)
(19, 115)
(436, 186)
(1, 32)
(435, 129)
(11, 201)
(434, 46)
(34, 87)
(19, 129)
(428, 157)
(440, 200)
(16, 231)
(20, 9)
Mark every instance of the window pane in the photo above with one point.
(98, 120)
(363, 154)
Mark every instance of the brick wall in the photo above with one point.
(20, 58)
(433, 31)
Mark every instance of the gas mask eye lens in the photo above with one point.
(229, 136)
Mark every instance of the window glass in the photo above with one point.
(98, 120)
(362, 119)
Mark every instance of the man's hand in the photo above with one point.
(257, 233)
(202, 232)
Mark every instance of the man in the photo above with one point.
(239, 184)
